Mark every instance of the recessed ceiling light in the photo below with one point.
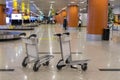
(64, 8)
(52, 2)
(112, 0)
(31, 1)
(72, 2)
(82, 2)
(81, 9)
(112, 4)
(84, 8)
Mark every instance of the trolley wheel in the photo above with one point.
(84, 67)
(59, 67)
(46, 63)
(36, 66)
(24, 63)
(67, 60)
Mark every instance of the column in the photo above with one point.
(60, 18)
(72, 16)
(57, 18)
(97, 18)
(63, 14)
(2, 12)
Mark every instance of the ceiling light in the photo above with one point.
(72, 2)
(112, 4)
(82, 2)
(84, 8)
(52, 2)
(112, 0)
(31, 1)
(81, 9)
(64, 8)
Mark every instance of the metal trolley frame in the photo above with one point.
(33, 54)
(66, 56)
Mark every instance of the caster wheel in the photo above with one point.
(36, 66)
(67, 61)
(59, 67)
(46, 64)
(84, 67)
(24, 63)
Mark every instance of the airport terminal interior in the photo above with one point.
(59, 39)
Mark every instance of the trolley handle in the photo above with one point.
(32, 36)
(59, 34)
(22, 35)
(67, 33)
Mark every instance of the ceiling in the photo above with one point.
(44, 5)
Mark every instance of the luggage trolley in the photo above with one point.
(66, 53)
(32, 53)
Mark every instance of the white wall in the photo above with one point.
(116, 10)
(84, 19)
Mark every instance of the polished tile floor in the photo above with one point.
(101, 54)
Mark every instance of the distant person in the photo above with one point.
(65, 23)
(79, 24)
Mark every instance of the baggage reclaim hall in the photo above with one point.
(59, 39)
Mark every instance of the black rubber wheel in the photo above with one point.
(67, 60)
(46, 64)
(24, 63)
(36, 66)
(84, 67)
(59, 67)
